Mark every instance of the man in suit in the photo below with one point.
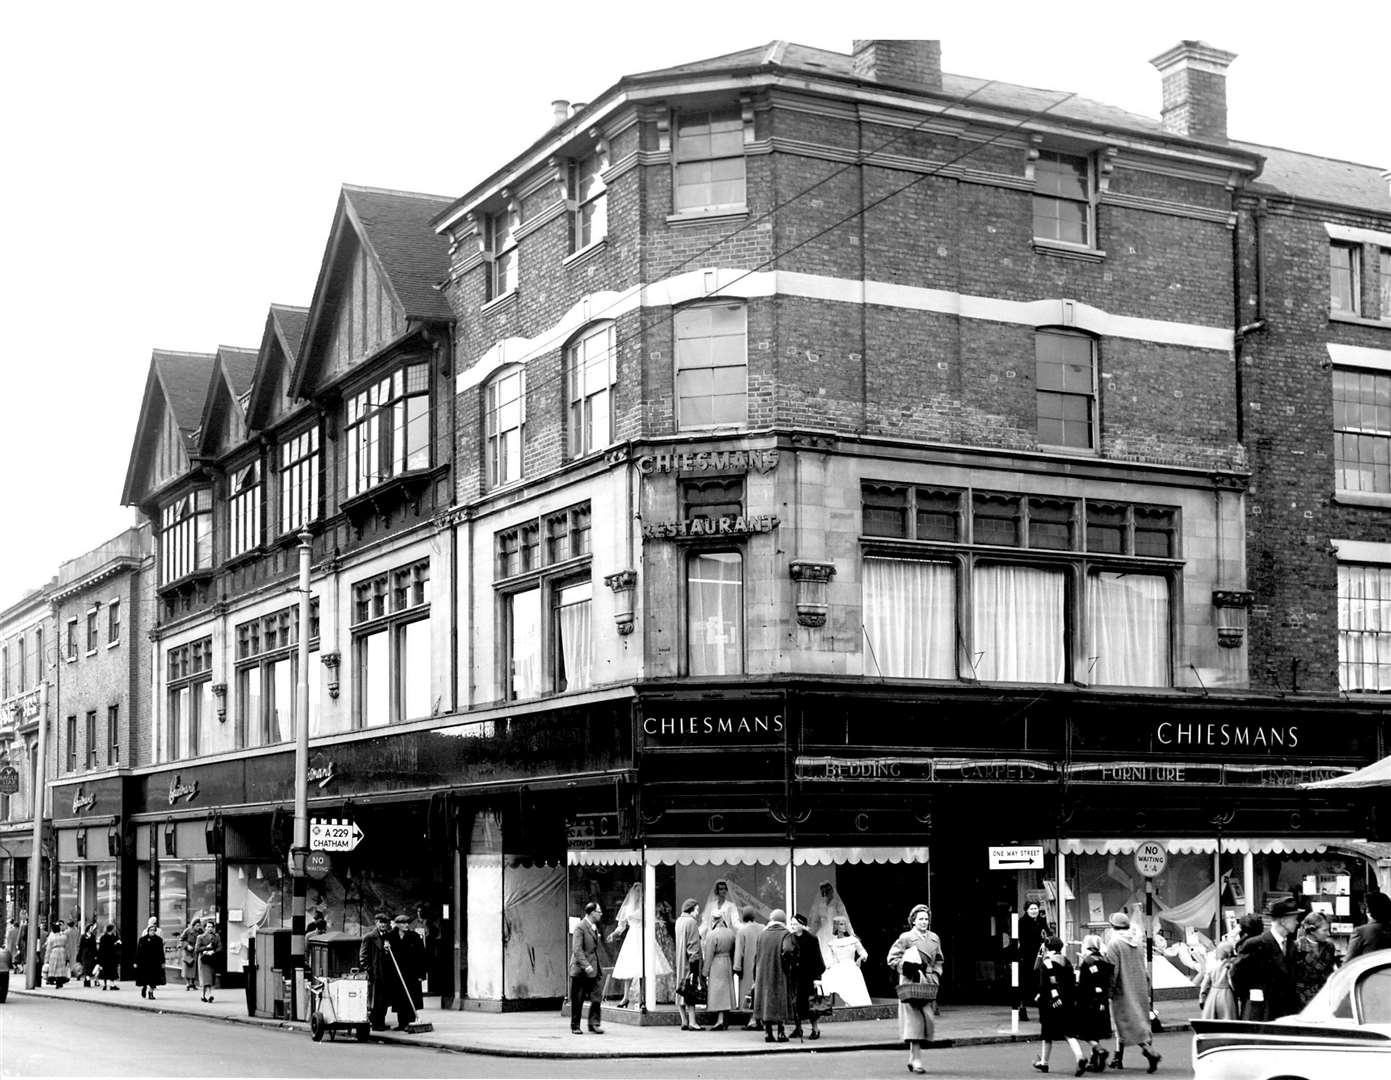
(384, 989)
(584, 969)
(1268, 963)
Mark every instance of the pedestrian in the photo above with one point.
(1316, 957)
(207, 946)
(1376, 932)
(745, 946)
(188, 948)
(86, 955)
(409, 950)
(1267, 970)
(72, 931)
(1033, 929)
(12, 937)
(718, 958)
(384, 989)
(585, 970)
(1057, 1004)
(55, 955)
(1092, 1011)
(6, 960)
(149, 959)
(21, 949)
(801, 951)
(1216, 998)
(917, 957)
(109, 958)
(1248, 929)
(688, 955)
(843, 976)
(1130, 992)
(771, 999)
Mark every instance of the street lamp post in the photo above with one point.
(300, 846)
(31, 945)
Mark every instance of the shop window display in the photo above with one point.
(1325, 883)
(88, 893)
(187, 891)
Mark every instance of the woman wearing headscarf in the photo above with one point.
(1092, 1014)
(207, 947)
(149, 959)
(188, 945)
(55, 955)
(917, 957)
(718, 954)
(1057, 1000)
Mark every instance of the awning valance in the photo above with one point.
(1193, 845)
(750, 856)
(831, 856)
(604, 857)
(730, 856)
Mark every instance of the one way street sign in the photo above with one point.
(331, 834)
(1016, 858)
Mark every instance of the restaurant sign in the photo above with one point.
(724, 525)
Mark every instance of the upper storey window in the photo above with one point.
(1063, 198)
(590, 373)
(500, 253)
(709, 160)
(1345, 279)
(711, 366)
(388, 428)
(1385, 283)
(299, 480)
(186, 535)
(244, 510)
(1362, 430)
(589, 216)
(504, 419)
(1066, 389)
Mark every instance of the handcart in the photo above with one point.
(339, 1004)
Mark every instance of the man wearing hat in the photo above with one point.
(384, 989)
(1267, 970)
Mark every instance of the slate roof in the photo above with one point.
(1308, 176)
(240, 365)
(396, 227)
(290, 321)
(184, 378)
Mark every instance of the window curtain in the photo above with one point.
(576, 644)
(909, 619)
(1128, 629)
(1019, 624)
(526, 643)
(714, 613)
(1364, 627)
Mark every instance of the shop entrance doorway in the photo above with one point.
(971, 908)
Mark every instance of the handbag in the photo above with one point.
(748, 1001)
(916, 992)
(819, 1003)
(695, 990)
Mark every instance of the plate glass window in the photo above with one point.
(1066, 381)
(504, 420)
(1062, 198)
(711, 366)
(1362, 430)
(715, 613)
(299, 480)
(590, 374)
(1344, 279)
(709, 160)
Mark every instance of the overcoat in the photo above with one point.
(382, 984)
(1057, 996)
(149, 960)
(55, 955)
(1092, 1014)
(719, 969)
(87, 952)
(802, 956)
(771, 1002)
(109, 955)
(1130, 990)
(1267, 966)
(207, 947)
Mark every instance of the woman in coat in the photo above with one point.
(149, 959)
(109, 958)
(1057, 1001)
(1092, 1013)
(917, 957)
(207, 947)
(55, 955)
(718, 954)
(802, 959)
(87, 953)
(188, 943)
(1216, 998)
(1315, 957)
(1033, 929)
(1130, 992)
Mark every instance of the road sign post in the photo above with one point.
(332, 834)
(1150, 859)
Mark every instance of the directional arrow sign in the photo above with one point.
(1017, 858)
(331, 834)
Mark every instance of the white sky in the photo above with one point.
(171, 169)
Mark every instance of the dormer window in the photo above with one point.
(388, 428)
(186, 535)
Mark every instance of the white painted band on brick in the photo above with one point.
(1359, 356)
(730, 282)
(1367, 551)
(1357, 236)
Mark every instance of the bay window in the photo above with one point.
(388, 428)
(709, 160)
(244, 510)
(186, 535)
(588, 199)
(500, 253)
(391, 647)
(299, 480)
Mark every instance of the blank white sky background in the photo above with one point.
(170, 170)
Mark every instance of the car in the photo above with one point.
(1344, 1033)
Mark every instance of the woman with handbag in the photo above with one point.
(719, 970)
(801, 955)
(917, 957)
(691, 991)
(208, 945)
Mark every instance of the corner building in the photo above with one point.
(850, 478)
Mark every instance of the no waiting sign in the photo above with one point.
(1151, 858)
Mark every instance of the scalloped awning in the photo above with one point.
(750, 856)
(601, 857)
(1191, 845)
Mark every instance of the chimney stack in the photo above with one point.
(560, 109)
(915, 64)
(1195, 90)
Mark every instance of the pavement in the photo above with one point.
(546, 1034)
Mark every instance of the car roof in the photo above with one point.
(1340, 983)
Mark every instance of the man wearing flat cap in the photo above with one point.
(384, 989)
(1267, 971)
